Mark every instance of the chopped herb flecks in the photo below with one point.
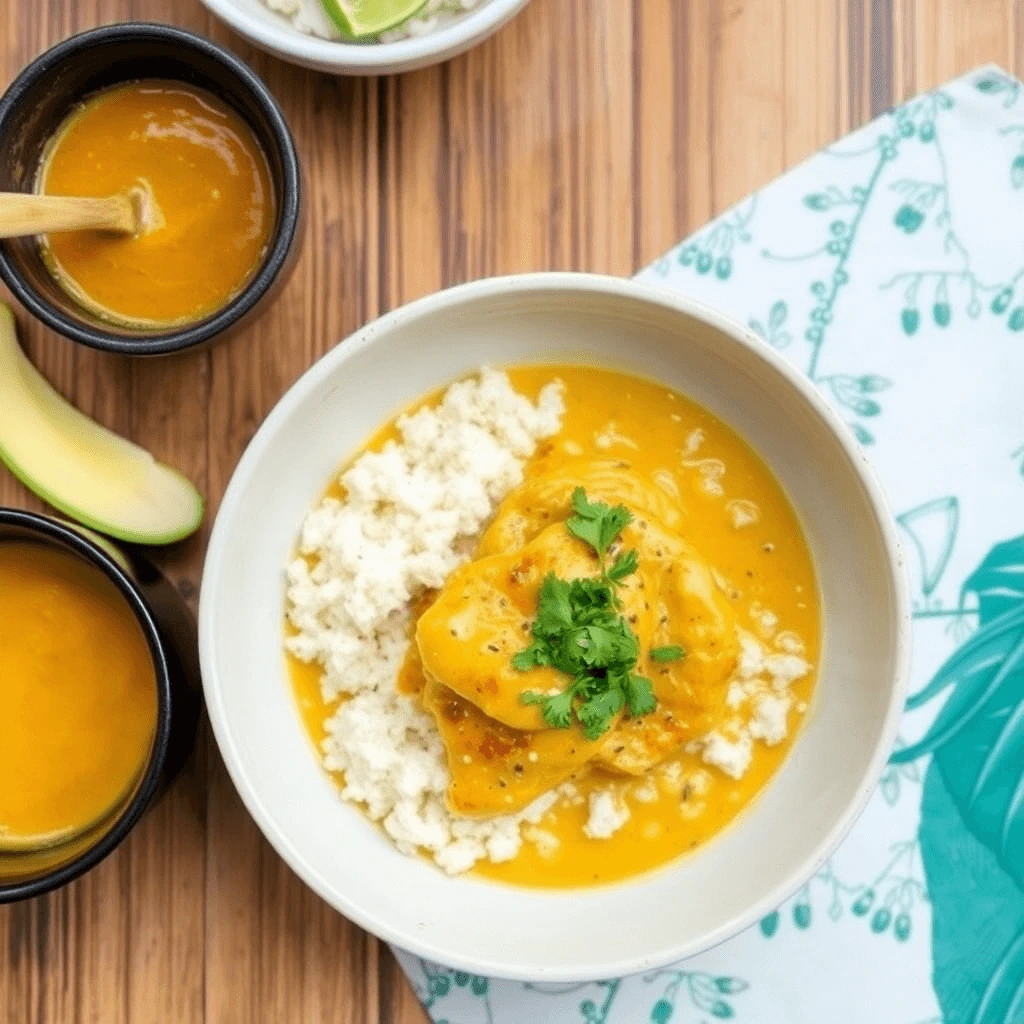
(670, 652)
(580, 631)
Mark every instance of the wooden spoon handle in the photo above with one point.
(22, 213)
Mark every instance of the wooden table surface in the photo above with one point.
(589, 135)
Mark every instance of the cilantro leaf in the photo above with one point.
(590, 600)
(599, 646)
(554, 610)
(597, 713)
(530, 657)
(588, 531)
(671, 652)
(532, 697)
(557, 710)
(596, 523)
(626, 564)
(580, 631)
(640, 696)
(584, 508)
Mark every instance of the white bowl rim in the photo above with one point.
(371, 58)
(540, 282)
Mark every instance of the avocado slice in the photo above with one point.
(86, 471)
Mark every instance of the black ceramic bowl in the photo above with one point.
(53, 84)
(170, 633)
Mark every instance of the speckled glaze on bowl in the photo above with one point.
(697, 901)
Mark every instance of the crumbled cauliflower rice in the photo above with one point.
(403, 526)
(608, 813)
(758, 695)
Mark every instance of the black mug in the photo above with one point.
(170, 633)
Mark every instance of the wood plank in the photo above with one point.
(747, 112)
(950, 37)
(273, 949)
(533, 203)
(815, 71)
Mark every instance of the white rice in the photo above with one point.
(760, 699)
(398, 531)
(608, 813)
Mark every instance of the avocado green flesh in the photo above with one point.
(86, 471)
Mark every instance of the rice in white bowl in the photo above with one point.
(308, 16)
(408, 519)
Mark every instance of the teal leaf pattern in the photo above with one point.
(977, 774)
(996, 83)
(891, 897)
(854, 393)
(713, 249)
(863, 435)
(977, 916)
(773, 328)
(932, 529)
(712, 994)
(998, 582)
(1017, 171)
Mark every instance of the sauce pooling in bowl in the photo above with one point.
(212, 206)
(707, 600)
(78, 693)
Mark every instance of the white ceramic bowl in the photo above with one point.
(480, 926)
(275, 33)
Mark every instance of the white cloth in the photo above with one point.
(890, 268)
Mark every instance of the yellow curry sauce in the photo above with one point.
(209, 178)
(638, 443)
(78, 694)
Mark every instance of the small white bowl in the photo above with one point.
(275, 33)
(583, 934)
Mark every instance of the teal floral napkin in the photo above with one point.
(889, 268)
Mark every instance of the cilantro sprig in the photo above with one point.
(580, 631)
(596, 523)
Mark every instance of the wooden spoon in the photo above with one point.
(24, 213)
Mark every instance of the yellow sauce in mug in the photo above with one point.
(210, 182)
(77, 692)
(763, 565)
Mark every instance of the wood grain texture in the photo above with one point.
(589, 134)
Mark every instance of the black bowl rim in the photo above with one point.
(187, 336)
(54, 529)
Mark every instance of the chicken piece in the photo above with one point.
(691, 611)
(483, 615)
(547, 497)
(494, 769)
(694, 614)
(636, 745)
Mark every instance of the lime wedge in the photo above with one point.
(361, 19)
